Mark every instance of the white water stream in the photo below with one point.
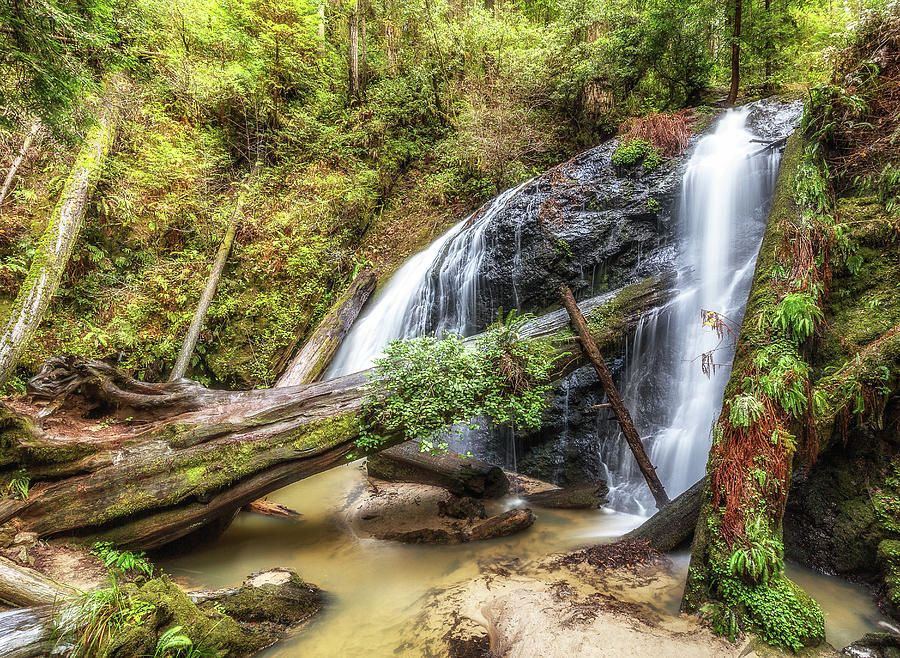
(725, 197)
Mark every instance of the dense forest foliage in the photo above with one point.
(375, 124)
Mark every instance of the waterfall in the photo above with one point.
(725, 196)
(435, 291)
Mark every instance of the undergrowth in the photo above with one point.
(423, 385)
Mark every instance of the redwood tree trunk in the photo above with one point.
(353, 55)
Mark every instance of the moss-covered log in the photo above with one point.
(319, 349)
(184, 456)
(235, 622)
(672, 526)
(57, 243)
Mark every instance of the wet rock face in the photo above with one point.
(584, 223)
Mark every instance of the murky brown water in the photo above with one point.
(377, 587)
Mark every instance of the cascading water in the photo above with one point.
(724, 201)
(435, 291)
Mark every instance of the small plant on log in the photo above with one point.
(18, 486)
(427, 384)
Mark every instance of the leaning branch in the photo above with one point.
(589, 345)
(7, 184)
(215, 275)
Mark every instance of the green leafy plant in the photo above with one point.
(98, 615)
(797, 314)
(19, 485)
(174, 644)
(122, 560)
(636, 151)
(423, 385)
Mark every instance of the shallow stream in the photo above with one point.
(377, 587)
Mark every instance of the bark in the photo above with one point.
(318, 351)
(459, 475)
(353, 54)
(674, 525)
(27, 632)
(215, 275)
(21, 586)
(7, 184)
(320, 27)
(589, 346)
(56, 245)
(735, 53)
(590, 495)
(189, 457)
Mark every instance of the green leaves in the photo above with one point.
(425, 384)
(797, 314)
(122, 560)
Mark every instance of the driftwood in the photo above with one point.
(269, 508)
(209, 291)
(318, 351)
(499, 525)
(185, 458)
(56, 245)
(674, 525)
(589, 345)
(459, 475)
(590, 495)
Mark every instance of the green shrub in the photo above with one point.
(634, 152)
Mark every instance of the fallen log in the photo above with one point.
(184, 457)
(589, 345)
(459, 475)
(259, 613)
(590, 495)
(21, 586)
(318, 351)
(674, 525)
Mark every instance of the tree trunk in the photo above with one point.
(674, 525)
(318, 351)
(628, 430)
(353, 55)
(7, 184)
(320, 27)
(735, 54)
(390, 46)
(363, 50)
(215, 275)
(459, 475)
(56, 245)
(186, 456)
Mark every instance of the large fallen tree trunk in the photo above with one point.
(318, 351)
(56, 245)
(459, 475)
(188, 456)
